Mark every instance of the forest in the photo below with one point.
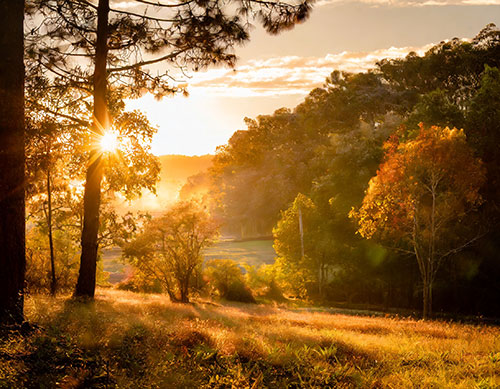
(378, 166)
(379, 192)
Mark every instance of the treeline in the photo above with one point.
(299, 173)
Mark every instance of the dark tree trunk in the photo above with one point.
(92, 198)
(184, 290)
(53, 282)
(12, 216)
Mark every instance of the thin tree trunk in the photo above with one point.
(429, 301)
(428, 264)
(92, 198)
(51, 239)
(12, 214)
(321, 280)
(425, 307)
(427, 294)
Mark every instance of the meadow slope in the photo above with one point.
(129, 340)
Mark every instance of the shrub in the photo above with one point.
(226, 279)
(239, 292)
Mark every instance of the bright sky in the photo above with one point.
(279, 71)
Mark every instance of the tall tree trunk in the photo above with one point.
(92, 197)
(51, 238)
(12, 214)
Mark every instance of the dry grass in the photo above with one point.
(131, 340)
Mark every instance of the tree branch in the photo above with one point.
(142, 16)
(158, 4)
(48, 110)
(149, 62)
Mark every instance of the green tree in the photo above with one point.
(454, 67)
(435, 108)
(483, 129)
(261, 170)
(170, 247)
(421, 191)
(305, 250)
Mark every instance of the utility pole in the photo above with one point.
(301, 232)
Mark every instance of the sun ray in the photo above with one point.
(109, 142)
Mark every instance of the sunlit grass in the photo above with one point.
(131, 340)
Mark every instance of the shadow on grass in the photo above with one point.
(131, 341)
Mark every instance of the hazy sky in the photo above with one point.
(278, 71)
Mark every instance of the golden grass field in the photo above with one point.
(129, 340)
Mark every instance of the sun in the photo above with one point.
(109, 142)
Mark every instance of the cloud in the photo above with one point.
(289, 75)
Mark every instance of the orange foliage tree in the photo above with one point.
(422, 191)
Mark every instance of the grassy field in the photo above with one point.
(113, 264)
(252, 252)
(129, 340)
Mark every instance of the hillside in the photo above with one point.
(180, 167)
(128, 340)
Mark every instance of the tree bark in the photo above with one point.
(53, 283)
(92, 197)
(12, 213)
(184, 290)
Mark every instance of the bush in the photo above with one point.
(38, 271)
(239, 292)
(138, 282)
(226, 279)
(264, 281)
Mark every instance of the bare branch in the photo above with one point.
(461, 247)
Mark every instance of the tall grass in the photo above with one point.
(129, 340)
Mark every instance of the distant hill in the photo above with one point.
(180, 167)
(175, 170)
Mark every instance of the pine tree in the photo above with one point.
(100, 52)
